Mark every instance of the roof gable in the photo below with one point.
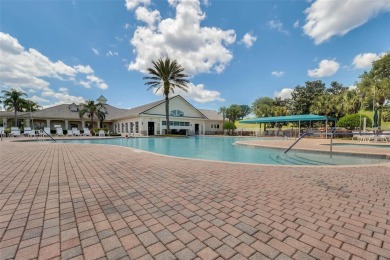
(176, 104)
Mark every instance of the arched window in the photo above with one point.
(176, 113)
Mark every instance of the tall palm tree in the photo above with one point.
(13, 101)
(92, 109)
(166, 75)
(222, 110)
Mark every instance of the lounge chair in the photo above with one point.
(59, 131)
(29, 132)
(87, 132)
(15, 131)
(76, 132)
(69, 133)
(45, 131)
(102, 133)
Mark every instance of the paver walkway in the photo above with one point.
(62, 201)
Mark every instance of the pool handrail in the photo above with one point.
(296, 141)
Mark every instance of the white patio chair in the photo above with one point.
(29, 132)
(15, 131)
(76, 132)
(102, 133)
(87, 132)
(69, 133)
(356, 135)
(59, 131)
(45, 131)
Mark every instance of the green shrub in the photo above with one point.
(352, 122)
(386, 116)
(229, 126)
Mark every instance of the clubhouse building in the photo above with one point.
(145, 120)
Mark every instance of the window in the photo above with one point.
(122, 127)
(176, 123)
(176, 113)
(73, 107)
(127, 127)
(131, 127)
(136, 127)
(218, 126)
(212, 126)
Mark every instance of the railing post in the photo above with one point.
(331, 145)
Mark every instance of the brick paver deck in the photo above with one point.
(63, 201)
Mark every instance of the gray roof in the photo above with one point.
(211, 114)
(9, 114)
(134, 112)
(63, 112)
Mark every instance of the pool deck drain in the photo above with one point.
(82, 201)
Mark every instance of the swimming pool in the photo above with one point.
(223, 149)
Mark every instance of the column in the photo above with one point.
(82, 124)
(27, 122)
(4, 122)
(66, 125)
(48, 123)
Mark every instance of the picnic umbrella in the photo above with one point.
(376, 117)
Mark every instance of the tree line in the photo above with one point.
(372, 90)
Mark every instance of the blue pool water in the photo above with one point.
(223, 149)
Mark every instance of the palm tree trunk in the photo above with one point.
(16, 118)
(167, 113)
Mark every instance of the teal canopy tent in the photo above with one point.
(292, 118)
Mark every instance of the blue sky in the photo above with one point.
(235, 51)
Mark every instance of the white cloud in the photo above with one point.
(92, 80)
(149, 17)
(126, 26)
(326, 19)
(38, 99)
(83, 69)
(277, 25)
(296, 24)
(111, 53)
(95, 51)
(277, 73)
(131, 4)
(198, 49)
(63, 89)
(284, 93)
(29, 70)
(326, 68)
(365, 60)
(197, 93)
(62, 98)
(248, 40)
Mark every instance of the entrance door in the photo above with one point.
(196, 129)
(150, 128)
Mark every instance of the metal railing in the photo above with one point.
(296, 141)
(48, 134)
